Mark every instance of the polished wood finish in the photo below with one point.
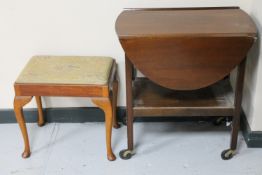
(197, 47)
(129, 102)
(151, 100)
(114, 101)
(193, 63)
(186, 55)
(61, 90)
(176, 22)
(19, 102)
(104, 96)
(106, 106)
(237, 104)
(41, 121)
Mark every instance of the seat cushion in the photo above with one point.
(67, 70)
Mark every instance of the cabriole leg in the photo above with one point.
(41, 121)
(114, 102)
(19, 102)
(106, 106)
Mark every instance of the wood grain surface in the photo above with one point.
(185, 49)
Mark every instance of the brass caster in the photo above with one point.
(125, 154)
(228, 154)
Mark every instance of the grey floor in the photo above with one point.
(161, 148)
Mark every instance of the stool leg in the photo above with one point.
(106, 106)
(114, 103)
(41, 121)
(19, 102)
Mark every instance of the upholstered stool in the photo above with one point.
(73, 76)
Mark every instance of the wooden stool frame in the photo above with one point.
(100, 95)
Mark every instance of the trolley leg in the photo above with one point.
(134, 74)
(127, 153)
(229, 153)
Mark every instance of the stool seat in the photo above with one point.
(84, 70)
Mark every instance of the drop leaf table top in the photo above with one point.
(185, 49)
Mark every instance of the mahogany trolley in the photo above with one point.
(185, 55)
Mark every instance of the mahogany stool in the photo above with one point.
(71, 76)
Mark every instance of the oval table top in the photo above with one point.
(185, 49)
